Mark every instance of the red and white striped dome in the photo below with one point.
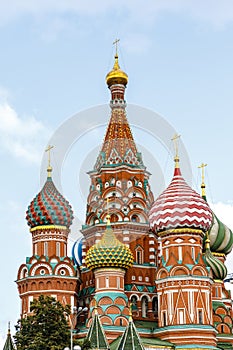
(179, 206)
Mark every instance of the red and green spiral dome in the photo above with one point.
(49, 207)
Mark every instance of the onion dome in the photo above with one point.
(221, 237)
(217, 266)
(109, 252)
(116, 75)
(77, 251)
(179, 206)
(49, 207)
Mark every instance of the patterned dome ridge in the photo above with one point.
(180, 206)
(49, 207)
(109, 252)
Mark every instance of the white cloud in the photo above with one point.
(22, 137)
(213, 11)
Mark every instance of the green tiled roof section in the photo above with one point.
(158, 342)
(217, 304)
(223, 345)
(96, 335)
(130, 339)
(146, 324)
(140, 288)
(9, 343)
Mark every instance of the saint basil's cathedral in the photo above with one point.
(147, 273)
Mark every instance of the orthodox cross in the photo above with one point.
(202, 167)
(116, 43)
(175, 140)
(48, 149)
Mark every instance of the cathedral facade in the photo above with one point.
(149, 272)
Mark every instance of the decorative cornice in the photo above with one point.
(49, 227)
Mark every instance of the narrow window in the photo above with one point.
(58, 252)
(46, 248)
(181, 316)
(144, 306)
(107, 282)
(180, 253)
(193, 253)
(164, 319)
(200, 316)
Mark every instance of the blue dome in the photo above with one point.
(77, 251)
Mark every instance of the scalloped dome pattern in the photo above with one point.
(180, 206)
(49, 207)
(221, 237)
(109, 252)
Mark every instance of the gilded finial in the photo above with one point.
(49, 168)
(130, 312)
(175, 139)
(95, 306)
(9, 328)
(108, 215)
(116, 75)
(202, 167)
(108, 220)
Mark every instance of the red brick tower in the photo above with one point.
(181, 217)
(49, 270)
(120, 187)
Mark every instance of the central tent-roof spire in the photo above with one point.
(118, 147)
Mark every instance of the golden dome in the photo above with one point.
(116, 75)
(109, 252)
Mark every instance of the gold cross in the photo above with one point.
(116, 43)
(175, 139)
(49, 155)
(202, 167)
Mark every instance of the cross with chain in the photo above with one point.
(175, 139)
(202, 167)
(116, 43)
(48, 149)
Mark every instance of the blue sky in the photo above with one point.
(54, 57)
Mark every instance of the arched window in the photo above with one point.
(139, 255)
(144, 303)
(114, 218)
(134, 302)
(155, 305)
(135, 218)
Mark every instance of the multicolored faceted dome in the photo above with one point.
(49, 207)
(179, 206)
(109, 252)
(221, 237)
(116, 75)
(77, 251)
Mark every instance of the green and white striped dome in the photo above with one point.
(221, 237)
(217, 266)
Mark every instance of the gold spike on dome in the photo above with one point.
(49, 168)
(116, 75)
(175, 139)
(202, 167)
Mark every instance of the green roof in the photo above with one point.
(130, 339)
(9, 343)
(96, 335)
